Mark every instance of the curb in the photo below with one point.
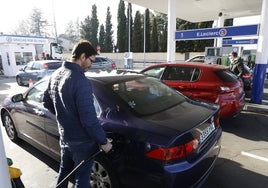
(259, 108)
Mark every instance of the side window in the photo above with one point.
(155, 72)
(28, 66)
(36, 94)
(97, 60)
(36, 66)
(195, 74)
(181, 73)
(97, 107)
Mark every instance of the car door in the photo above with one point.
(36, 71)
(182, 78)
(31, 117)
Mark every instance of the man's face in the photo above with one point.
(88, 62)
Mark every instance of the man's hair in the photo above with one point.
(83, 46)
(234, 54)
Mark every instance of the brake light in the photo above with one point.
(176, 152)
(45, 66)
(216, 121)
(246, 75)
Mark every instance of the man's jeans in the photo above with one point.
(72, 153)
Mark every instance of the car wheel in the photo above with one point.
(102, 175)
(10, 127)
(19, 81)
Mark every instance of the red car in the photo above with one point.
(207, 82)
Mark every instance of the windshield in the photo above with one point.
(147, 95)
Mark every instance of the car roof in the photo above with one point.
(46, 61)
(114, 76)
(187, 64)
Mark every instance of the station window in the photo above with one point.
(22, 58)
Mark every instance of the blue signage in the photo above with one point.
(217, 32)
(240, 41)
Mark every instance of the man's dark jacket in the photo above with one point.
(69, 96)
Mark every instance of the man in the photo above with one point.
(69, 97)
(236, 65)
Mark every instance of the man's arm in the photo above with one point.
(240, 68)
(47, 101)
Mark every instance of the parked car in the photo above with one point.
(247, 76)
(206, 82)
(197, 58)
(103, 63)
(36, 70)
(160, 137)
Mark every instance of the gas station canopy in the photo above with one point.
(205, 10)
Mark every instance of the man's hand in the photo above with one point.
(106, 147)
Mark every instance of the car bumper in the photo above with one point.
(231, 106)
(197, 172)
(186, 174)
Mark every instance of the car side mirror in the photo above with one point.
(17, 98)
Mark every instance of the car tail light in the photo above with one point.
(45, 66)
(247, 75)
(216, 121)
(172, 153)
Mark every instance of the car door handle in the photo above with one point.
(38, 112)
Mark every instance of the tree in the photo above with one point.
(90, 26)
(147, 30)
(94, 26)
(37, 23)
(129, 27)
(85, 31)
(71, 32)
(161, 20)
(102, 38)
(137, 33)
(154, 37)
(108, 42)
(121, 27)
(23, 28)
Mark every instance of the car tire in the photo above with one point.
(102, 174)
(10, 127)
(19, 81)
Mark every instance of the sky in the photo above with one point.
(14, 11)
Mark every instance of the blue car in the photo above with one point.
(36, 70)
(160, 137)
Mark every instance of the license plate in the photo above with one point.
(206, 132)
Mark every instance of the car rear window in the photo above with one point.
(226, 76)
(147, 96)
(54, 65)
(247, 69)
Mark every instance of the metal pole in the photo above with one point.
(54, 20)
(4, 175)
(128, 28)
(144, 39)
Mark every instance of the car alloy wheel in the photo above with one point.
(102, 175)
(10, 127)
(19, 81)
